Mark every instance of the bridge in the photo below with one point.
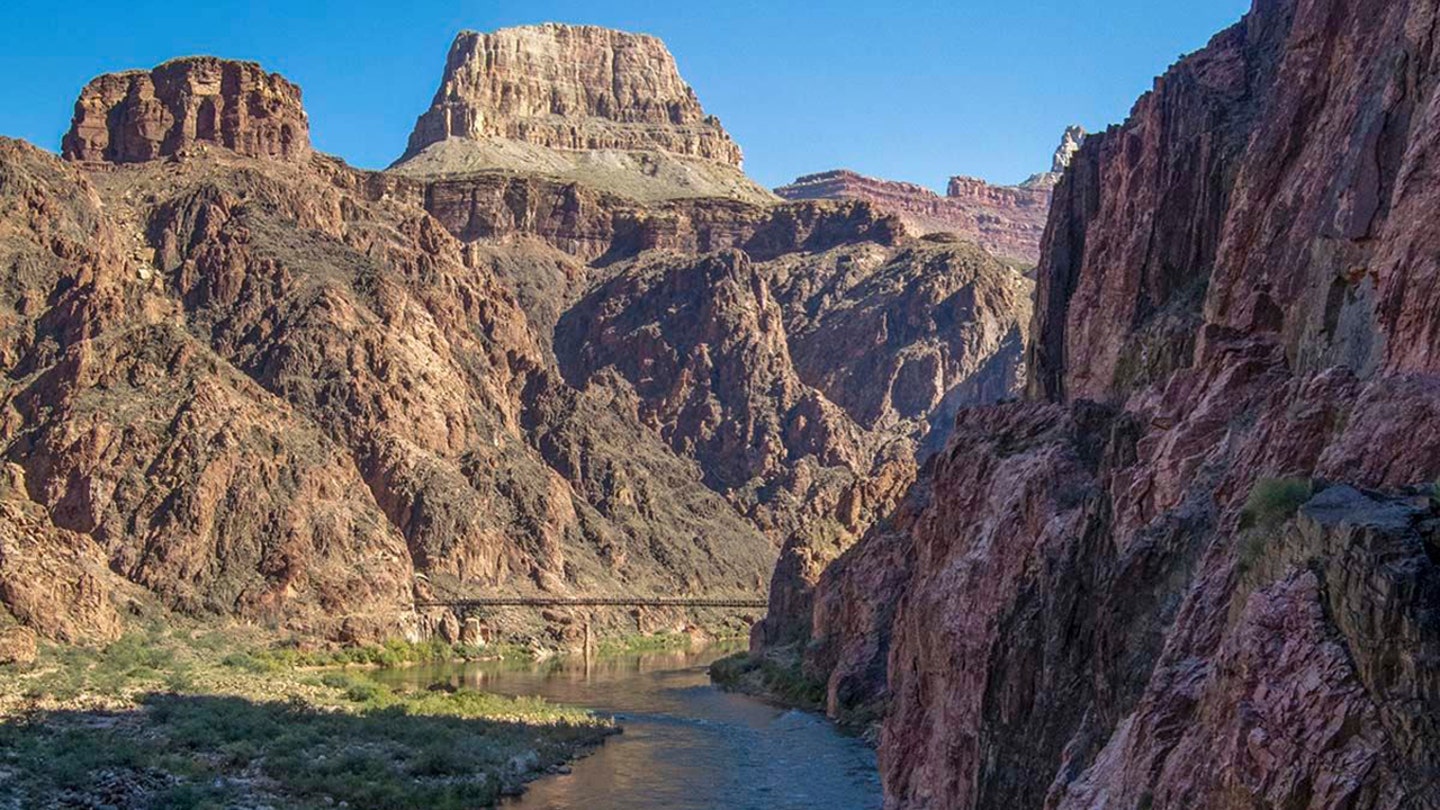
(594, 601)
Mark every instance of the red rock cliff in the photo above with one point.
(141, 115)
(1199, 568)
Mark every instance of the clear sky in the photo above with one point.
(906, 90)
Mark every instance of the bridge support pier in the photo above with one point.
(589, 642)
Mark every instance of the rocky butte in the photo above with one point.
(202, 99)
(1007, 221)
(1197, 566)
(564, 346)
(605, 108)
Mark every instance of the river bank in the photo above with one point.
(194, 719)
(778, 676)
(688, 745)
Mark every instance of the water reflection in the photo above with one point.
(686, 746)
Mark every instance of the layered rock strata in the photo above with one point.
(1007, 221)
(570, 87)
(602, 108)
(142, 115)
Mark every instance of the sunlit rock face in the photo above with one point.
(570, 87)
(602, 108)
(142, 115)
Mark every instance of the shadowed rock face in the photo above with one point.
(570, 87)
(807, 386)
(143, 115)
(1095, 599)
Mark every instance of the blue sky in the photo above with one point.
(913, 91)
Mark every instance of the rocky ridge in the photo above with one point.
(1007, 221)
(1197, 567)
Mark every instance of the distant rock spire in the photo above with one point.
(1069, 145)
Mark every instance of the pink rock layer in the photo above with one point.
(1007, 221)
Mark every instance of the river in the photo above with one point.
(686, 746)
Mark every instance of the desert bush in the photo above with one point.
(1272, 501)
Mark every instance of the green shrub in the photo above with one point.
(1273, 501)
(783, 679)
(728, 671)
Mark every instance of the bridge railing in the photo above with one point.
(595, 601)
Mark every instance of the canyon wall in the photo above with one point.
(1198, 567)
(243, 379)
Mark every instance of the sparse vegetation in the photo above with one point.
(780, 678)
(1273, 501)
(159, 719)
(662, 641)
(392, 653)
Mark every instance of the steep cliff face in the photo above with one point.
(143, 115)
(604, 108)
(1198, 568)
(570, 87)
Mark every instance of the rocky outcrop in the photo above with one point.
(579, 104)
(1007, 221)
(570, 87)
(18, 645)
(142, 115)
(1198, 567)
(903, 337)
(1315, 625)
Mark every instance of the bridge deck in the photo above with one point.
(594, 601)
